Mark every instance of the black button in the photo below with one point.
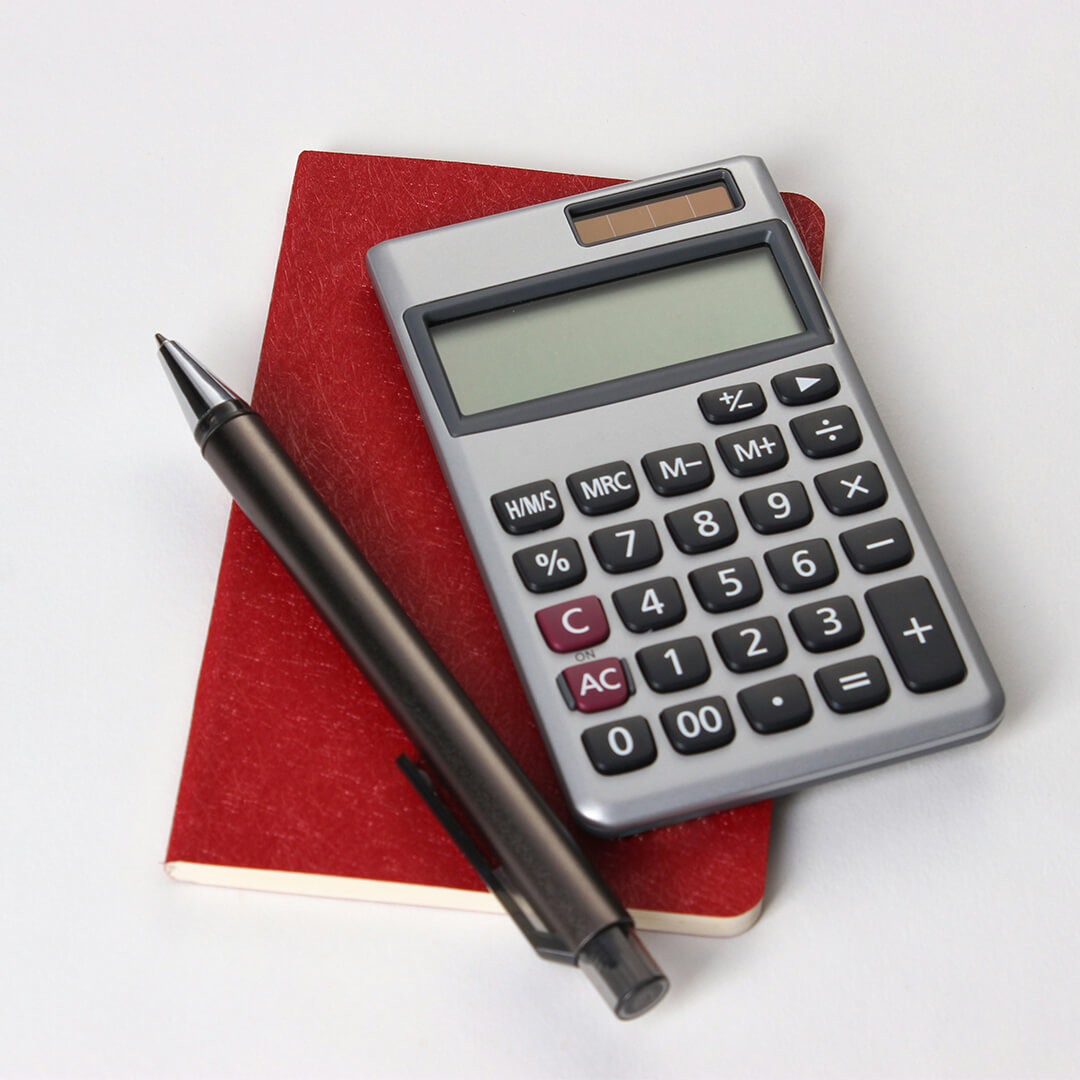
(674, 665)
(808, 564)
(703, 527)
(621, 746)
(751, 645)
(754, 451)
(650, 605)
(699, 725)
(827, 624)
(807, 385)
(628, 546)
(853, 684)
(918, 637)
(852, 489)
(776, 705)
(556, 564)
(778, 507)
(529, 507)
(884, 545)
(604, 489)
(730, 404)
(827, 432)
(678, 469)
(726, 586)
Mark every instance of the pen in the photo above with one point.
(542, 877)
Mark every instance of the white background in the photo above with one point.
(920, 920)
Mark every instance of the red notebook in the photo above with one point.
(290, 782)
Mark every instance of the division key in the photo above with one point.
(918, 638)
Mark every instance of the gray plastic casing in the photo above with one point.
(428, 268)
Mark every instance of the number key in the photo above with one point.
(674, 665)
(727, 586)
(698, 725)
(751, 645)
(703, 527)
(778, 508)
(827, 624)
(621, 746)
(650, 605)
(625, 547)
(808, 564)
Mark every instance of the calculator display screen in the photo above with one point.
(601, 332)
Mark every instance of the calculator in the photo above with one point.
(712, 573)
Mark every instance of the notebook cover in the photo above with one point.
(289, 781)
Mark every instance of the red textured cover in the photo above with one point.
(290, 761)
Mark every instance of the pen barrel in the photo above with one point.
(537, 852)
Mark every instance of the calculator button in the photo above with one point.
(699, 725)
(809, 564)
(674, 665)
(754, 451)
(751, 645)
(529, 507)
(776, 705)
(597, 684)
(731, 404)
(807, 385)
(726, 586)
(827, 432)
(546, 567)
(573, 624)
(884, 545)
(853, 685)
(919, 639)
(651, 605)
(852, 489)
(621, 746)
(703, 527)
(604, 488)
(827, 624)
(628, 546)
(678, 469)
(778, 507)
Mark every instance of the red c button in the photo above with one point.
(573, 624)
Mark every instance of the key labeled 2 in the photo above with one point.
(751, 645)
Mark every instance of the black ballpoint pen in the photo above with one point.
(581, 920)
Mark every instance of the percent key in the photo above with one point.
(556, 564)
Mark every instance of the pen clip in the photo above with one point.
(547, 944)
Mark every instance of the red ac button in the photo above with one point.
(597, 685)
(573, 624)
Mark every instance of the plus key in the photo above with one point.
(917, 636)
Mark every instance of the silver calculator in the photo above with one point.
(713, 576)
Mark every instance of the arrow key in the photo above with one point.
(807, 385)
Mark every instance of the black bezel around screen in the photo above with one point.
(771, 233)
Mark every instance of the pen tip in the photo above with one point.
(160, 339)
